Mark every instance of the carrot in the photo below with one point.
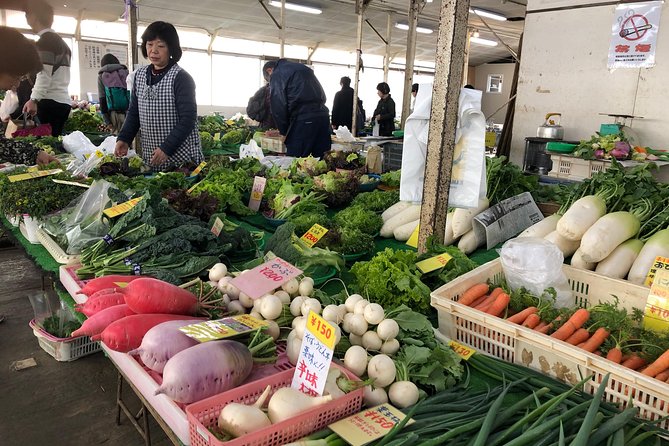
(659, 365)
(520, 317)
(615, 355)
(496, 292)
(483, 306)
(598, 352)
(532, 320)
(541, 325)
(579, 336)
(634, 362)
(479, 301)
(662, 376)
(473, 293)
(499, 305)
(597, 338)
(545, 329)
(575, 322)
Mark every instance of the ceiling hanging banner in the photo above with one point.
(634, 35)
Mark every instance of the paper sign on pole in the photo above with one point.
(315, 357)
(265, 278)
(634, 35)
(368, 425)
(257, 192)
(222, 328)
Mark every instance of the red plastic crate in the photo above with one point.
(204, 414)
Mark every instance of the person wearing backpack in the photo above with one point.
(113, 92)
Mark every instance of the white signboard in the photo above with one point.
(634, 35)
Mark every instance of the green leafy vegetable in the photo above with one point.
(358, 217)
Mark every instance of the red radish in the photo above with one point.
(126, 334)
(162, 342)
(205, 370)
(99, 321)
(92, 306)
(149, 295)
(101, 283)
(103, 292)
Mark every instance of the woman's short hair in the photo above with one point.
(414, 88)
(41, 10)
(19, 53)
(165, 32)
(383, 88)
(108, 59)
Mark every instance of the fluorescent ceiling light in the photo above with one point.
(487, 14)
(296, 7)
(482, 41)
(420, 29)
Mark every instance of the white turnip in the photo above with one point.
(359, 307)
(217, 272)
(373, 314)
(285, 297)
(306, 287)
(373, 396)
(246, 300)
(358, 324)
(371, 341)
(351, 301)
(271, 307)
(291, 287)
(310, 304)
(296, 306)
(388, 329)
(331, 314)
(390, 347)
(355, 359)
(382, 369)
(403, 394)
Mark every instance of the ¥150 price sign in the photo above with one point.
(266, 277)
(313, 362)
(322, 329)
(368, 425)
(314, 234)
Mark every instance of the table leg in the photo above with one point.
(142, 413)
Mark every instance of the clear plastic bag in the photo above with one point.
(81, 224)
(536, 264)
(251, 150)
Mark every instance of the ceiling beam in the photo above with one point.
(513, 53)
(269, 13)
(385, 42)
(312, 50)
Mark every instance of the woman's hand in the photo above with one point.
(158, 158)
(377, 117)
(44, 158)
(121, 148)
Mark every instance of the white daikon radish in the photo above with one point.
(239, 419)
(288, 402)
(469, 242)
(582, 214)
(543, 228)
(448, 235)
(403, 233)
(607, 233)
(657, 245)
(578, 262)
(394, 210)
(568, 247)
(462, 218)
(617, 264)
(407, 215)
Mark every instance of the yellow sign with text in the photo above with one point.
(656, 313)
(122, 208)
(368, 425)
(413, 240)
(222, 328)
(32, 175)
(198, 169)
(433, 263)
(314, 234)
(462, 350)
(321, 329)
(660, 263)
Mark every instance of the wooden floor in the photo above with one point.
(54, 403)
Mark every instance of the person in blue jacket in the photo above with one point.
(298, 106)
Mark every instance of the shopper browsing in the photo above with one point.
(384, 113)
(113, 92)
(162, 105)
(298, 107)
(259, 108)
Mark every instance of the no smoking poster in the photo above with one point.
(634, 35)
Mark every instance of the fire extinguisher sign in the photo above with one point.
(634, 35)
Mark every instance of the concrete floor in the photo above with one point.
(54, 403)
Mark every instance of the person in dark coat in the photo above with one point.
(342, 107)
(298, 106)
(259, 108)
(384, 113)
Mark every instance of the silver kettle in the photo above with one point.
(549, 129)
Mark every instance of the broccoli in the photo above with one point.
(285, 244)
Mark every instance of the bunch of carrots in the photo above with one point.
(603, 329)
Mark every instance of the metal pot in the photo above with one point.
(550, 129)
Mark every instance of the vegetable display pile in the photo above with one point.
(84, 121)
(608, 147)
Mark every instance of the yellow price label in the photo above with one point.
(99, 154)
(192, 188)
(433, 263)
(321, 329)
(490, 139)
(31, 175)
(198, 169)
(369, 425)
(314, 234)
(660, 263)
(222, 328)
(33, 169)
(121, 284)
(656, 313)
(92, 109)
(413, 240)
(122, 208)
(72, 183)
(462, 350)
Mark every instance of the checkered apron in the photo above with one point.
(158, 115)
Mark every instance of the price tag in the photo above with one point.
(222, 328)
(99, 154)
(461, 350)
(314, 234)
(198, 169)
(660, 263)
(121, 284)
(656, 314)
(71, 183)
(122, 208)
(192, 188)
(256, 193)
(315, 357)
(217, 136)
(266, 277)
(413, 240)
(368, 425)
(33, 169)
(92, 109)
(218, 227)
(31, 175)
(490, 139)
(433, 263)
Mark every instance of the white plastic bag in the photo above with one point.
(8, 105)
(536, 264)
(344, 134)
(414, 150)
(78, 145)
(375, 129)
(251, 150)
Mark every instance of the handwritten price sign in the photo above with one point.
(322, 329)
(656, 314)
(433, 263)
(218, 227)
(256, 193)
(314, 234)
(266, 277)
(461, 350)
(315, 357)
(660, 263)
(368, 425)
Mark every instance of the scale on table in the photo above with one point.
(620, 124)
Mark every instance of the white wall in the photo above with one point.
(563, 69)
(490, 102)
(90, 54)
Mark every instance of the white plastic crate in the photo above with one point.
(64, 349)
(273, 144)
(573, 168)
(514, 343)
(55, 250)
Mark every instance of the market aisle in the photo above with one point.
(66, 404)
